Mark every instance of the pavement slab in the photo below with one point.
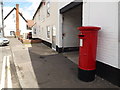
(23, 64)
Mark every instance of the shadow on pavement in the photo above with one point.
(53, 70)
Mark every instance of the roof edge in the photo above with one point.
(38, 9)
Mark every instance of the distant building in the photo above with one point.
(10, 24)
(30, 24)
(56, 24)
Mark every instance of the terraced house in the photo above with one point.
(56, 24)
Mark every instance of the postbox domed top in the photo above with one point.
(89, 28)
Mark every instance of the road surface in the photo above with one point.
(8, 76)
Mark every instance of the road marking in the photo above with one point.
(2, 84)
(6, 71)
(9, 79)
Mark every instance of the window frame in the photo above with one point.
(35, 31)
(48, 8)
(48, 32)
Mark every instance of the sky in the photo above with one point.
(26, 7)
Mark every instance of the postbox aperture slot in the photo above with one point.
(82, 35)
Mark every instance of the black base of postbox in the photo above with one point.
(86, 75)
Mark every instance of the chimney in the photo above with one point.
(17, 21)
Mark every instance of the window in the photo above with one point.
(13, 16)
(48, 32)
(39, 29)
(53, 31)
(48, 8)
(28, 28)
(12, 33)
(34, 31)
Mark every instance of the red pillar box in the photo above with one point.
(87, 53)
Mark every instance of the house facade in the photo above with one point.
(46, 23)
(10, 24)
(56, 24)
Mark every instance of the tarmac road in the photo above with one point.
(8, 76)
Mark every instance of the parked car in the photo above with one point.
(4, 41)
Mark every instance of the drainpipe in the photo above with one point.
(17, 21)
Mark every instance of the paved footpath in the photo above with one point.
(23, 65)
(39, 66)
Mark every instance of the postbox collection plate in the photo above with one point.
(81, 42)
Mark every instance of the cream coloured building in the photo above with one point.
(56, 24)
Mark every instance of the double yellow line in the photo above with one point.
(6, 77)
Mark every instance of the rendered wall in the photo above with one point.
(0, 15)
(105, 15)
(54, 19)
(119, 33)
(42, 21)
(10, 24)
(23, 27)
(34, 29)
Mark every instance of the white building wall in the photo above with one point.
(9, 24)
(34, 35)
(53, 20)
(22, 26)
(36, 26)
(119, 32)
(0, 16)
(42, 21)
(105, 15)
(64, 3)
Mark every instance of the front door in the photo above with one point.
(54, 38)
